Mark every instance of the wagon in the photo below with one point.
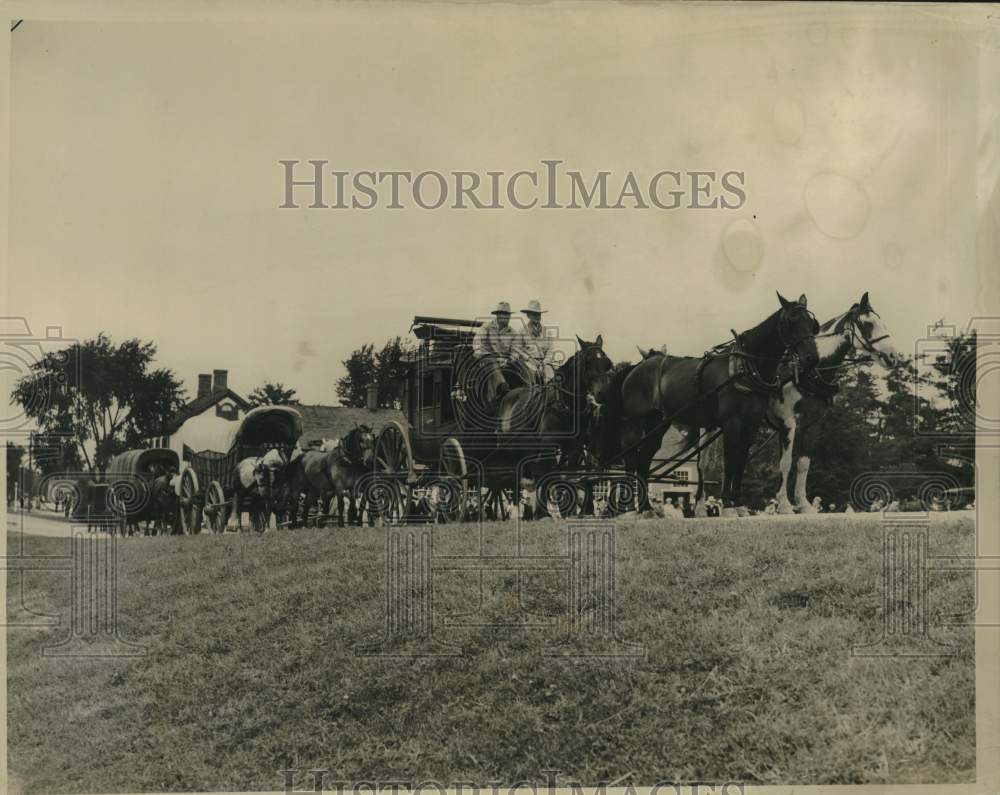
(130, 477)
(207, 482)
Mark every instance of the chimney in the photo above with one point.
(204, 384)
(373, 397)
(219, 380)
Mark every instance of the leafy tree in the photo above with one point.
(272, 395)
(367, 366)
(55, 453)
(104, 397)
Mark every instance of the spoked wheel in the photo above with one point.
(216, 507)
(394, 463)
(452, 503)
(190, 506)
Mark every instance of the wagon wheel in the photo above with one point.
(189, 505)
(394, 461)
(216, 507)
(453, 474)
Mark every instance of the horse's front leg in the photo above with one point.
(787, 437)
(746, 442)
(340, 508)
(732, 434)
(802, 504)
(235, 521)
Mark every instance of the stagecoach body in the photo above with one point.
(449, 445)
(208, 477)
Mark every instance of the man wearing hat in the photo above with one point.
(534, 348)
(493, 346)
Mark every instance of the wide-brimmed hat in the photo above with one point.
(535, 306)
(503, 308)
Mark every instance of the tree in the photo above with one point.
(105, 398)
(365, 366)
(273, 395)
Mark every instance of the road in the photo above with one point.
(40, 523)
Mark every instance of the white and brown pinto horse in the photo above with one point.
(257, 480)
(332, 472)
(804, 402)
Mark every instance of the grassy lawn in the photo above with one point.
(747, 675)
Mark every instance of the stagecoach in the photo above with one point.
(208, 477)
(448, 458)
(130, 477)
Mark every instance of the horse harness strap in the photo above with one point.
(743, 373)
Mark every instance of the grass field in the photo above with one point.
(747, 626)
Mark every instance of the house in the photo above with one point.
(208, 421)
(682, 483)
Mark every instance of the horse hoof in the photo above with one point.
(742, 510)
(785, 508)
(807, 508)
(729, 513)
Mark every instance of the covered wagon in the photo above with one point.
(208, 476)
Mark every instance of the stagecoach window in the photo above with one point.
(427, 390)
(447, 407)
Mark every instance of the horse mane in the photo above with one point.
(752, 335)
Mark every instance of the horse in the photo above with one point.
(798, 414)
(256, 481)
(560, 411)
(332, 472)
(164, 502)
(728, 388)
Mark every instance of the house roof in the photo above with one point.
(334, 422)
(201, 404)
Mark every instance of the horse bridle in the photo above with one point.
(561, 390)
(784, 322)
(858, 337)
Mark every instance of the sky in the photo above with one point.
(145, 181)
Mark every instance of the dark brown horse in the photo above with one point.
(558, 413)
(729, 388)
(332, 473)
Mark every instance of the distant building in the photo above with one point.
(208, 421)
(682, 482)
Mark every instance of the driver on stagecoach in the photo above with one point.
(494, 345)
(534, 346)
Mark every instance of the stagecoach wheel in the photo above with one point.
(216, 507)
(189, 507)
(453, 472)
(394, 460)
